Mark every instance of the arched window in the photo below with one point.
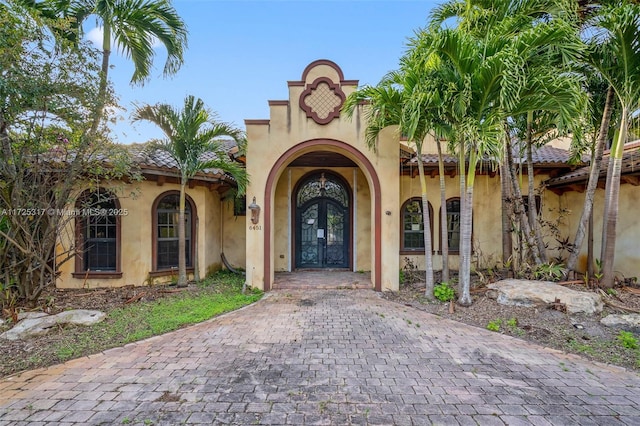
(453, 224)
(165, 231)
(97, 222)
(412, 233)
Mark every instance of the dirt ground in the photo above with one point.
(545, 325)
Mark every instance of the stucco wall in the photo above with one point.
(233, 235)
(487, 224)
(136, 235)
(627, 254)
(288, 134)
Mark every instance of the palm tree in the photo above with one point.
(134, 25)
(552, 104)
(598, 122)
(482, 67)
(399, 100)
(192, 133)
(615, 54)
(465, 80)
(547, 89)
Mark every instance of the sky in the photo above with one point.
(242, 53)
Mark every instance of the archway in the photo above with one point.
(372, 178)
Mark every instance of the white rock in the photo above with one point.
(31, 327)
(533, 293)
(627, 321)
(31, 315)
(81, 317)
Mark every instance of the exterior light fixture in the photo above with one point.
(255, 211)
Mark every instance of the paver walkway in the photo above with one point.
(325, 357)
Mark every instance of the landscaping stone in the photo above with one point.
(31, 315)
(42, 325)
(629, 322)
(537, 293)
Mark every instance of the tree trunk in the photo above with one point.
(532, 210)
(182, 246)
(426, 222)
(104, 79)
(517, 197)
(466, 231)
(590, 248)
(612, 203)
(592, 185)
(603, 243)
(7, 150)
(505, 189)
(444, 237)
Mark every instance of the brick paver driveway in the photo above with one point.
(325, 357)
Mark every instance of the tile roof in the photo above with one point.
(630, 164)
(160, 160)
(543, 156)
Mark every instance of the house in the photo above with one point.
(319, 199)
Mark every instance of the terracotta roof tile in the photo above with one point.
(159, 159)
(543, 156)
(630, 164)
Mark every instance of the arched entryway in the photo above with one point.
(375, 205)
(322, 223)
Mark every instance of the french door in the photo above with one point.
(322, 224)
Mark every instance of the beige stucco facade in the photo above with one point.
(627, 256)
(135, 250)
(290, 134)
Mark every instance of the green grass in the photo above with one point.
(217, 294)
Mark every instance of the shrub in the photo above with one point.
(627, 340)
(444, 292)
(549, 272)
(494, 325)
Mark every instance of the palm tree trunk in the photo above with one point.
(466, 231)
(590, 248)
(182, 246)
(517, 197)
(444, 240)
(607, 186)
(532, 210)
(428, 252)
(104, 79)
(507, 229)
(612, 203)
(592, 185)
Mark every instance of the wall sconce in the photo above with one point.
(255, 211)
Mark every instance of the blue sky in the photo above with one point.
(242, 53)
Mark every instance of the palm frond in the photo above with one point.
(193, 138)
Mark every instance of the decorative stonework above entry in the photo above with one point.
(322, 100)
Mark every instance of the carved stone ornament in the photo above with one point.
(322, 100)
